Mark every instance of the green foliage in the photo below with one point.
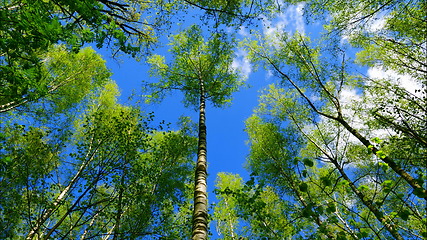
(313, 135)
(195, 60)
(115, 175)
(249, 211)
(43, 23)
(232, 14)
(303, 187)
(65, 78)
(380, 30)
(334, 154)
(224, 11)
(269, 158)
(28, 159)
(225, 212)
(30, 29)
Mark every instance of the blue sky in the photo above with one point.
(227, 148)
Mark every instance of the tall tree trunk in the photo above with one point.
(200, 211)
(119, 207)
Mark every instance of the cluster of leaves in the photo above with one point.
(346, 168)
(74, 163)
(196, 61)
(108, 174)
(30, 28)
(249, 211)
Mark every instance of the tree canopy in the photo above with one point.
(336, 145)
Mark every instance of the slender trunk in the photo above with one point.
(61, 197)
(391, 228)
(200, 212)
(73, 207)
(229, 221)
(418, 189)
(119, 208)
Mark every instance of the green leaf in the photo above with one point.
(392, 214)
(307, 212)
(383, 165)
(342, 236)
(404, 214)
(419, 193)
(331, 208)
(304, 173)
(387, 183)
(343, 183)
(363, 188)
(377, 140)
(7, 159)
(379, 203)
(303, 187)
(308, 162)
(364, 232)
(333, 219)
(381, 154)
(326, 181)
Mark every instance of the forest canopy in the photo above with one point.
(336, 145)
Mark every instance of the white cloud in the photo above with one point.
(298, 18)
(356, 107)
(348, 96)
(268, 74)
(373, 25)
(377, 24)
(243, 31)
(290, 20)
(405, 81)
(270, 28)
(242, 63)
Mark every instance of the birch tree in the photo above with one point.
(344, 115)
(107, 176)
(202, 71)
